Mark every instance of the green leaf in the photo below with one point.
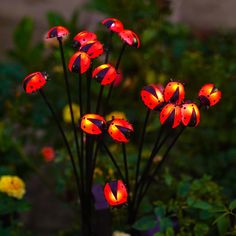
(223, 224)
(159, 234)
(5, 232)
(160, 211)
(201, 229)
(55, 18)
(199, 204)
(165, 223)
(183, 188)
(170, 232)
(22, 206)
(232, 205)
(145, 223)
(23, 34)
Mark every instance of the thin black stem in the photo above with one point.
(120, 56)
(89, 77)
(80, 94)
(160, 165)
(76, 174)
(141, 145)
(125, 165)
(113, 160)
(69, 97)
(156, 148)
(116, 67)
(108, 47)
(139, 159)
(153, 153)
(99, 99)
(94, 160)
(81, 161)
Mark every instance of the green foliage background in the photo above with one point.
(185, 190)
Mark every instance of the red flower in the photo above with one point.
(115, 193)
(48, 153)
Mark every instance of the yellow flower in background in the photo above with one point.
(116, 114)
(118, 233)
(110, 172)
(13, 186)
(98, 172)
(66, 113)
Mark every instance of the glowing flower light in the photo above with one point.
(93, 48)
(82, 38)
(34, 81)
(190, 114)
(104, 74)
(113, 24)
(130, 38)
(93, 124)
(170, 115)
(174, 92)
(115, 193)
(13, 186)
(152, 97)
(120, 130)
(66, 113)
(57, 32)
(79, 62)
(209, 95)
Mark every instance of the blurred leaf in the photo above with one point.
(183, 188)
(5, 232)
(223, 224)
(159, 234)
(160, 211)
(199, 204)
(22, 206)
(23, 34)
(55, 19)
(200, 229)
(232, 205)
(165, 223)
(170, 232)
(145, 223)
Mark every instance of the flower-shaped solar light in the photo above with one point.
(190, 114)
(120, 130)
(113, 24)
(104, 74)
(34, 81)
(152, 97)
(82, 38)
(93, 48)
(115, 193)
(57, 32)
(79, 62)
(170, 115)
(209, 95)
(130, 38)
(93, 124)
(174, 92)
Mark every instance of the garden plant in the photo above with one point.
(192, 192)
(91, 131)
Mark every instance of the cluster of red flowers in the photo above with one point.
(170, 102)
(119, 129)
